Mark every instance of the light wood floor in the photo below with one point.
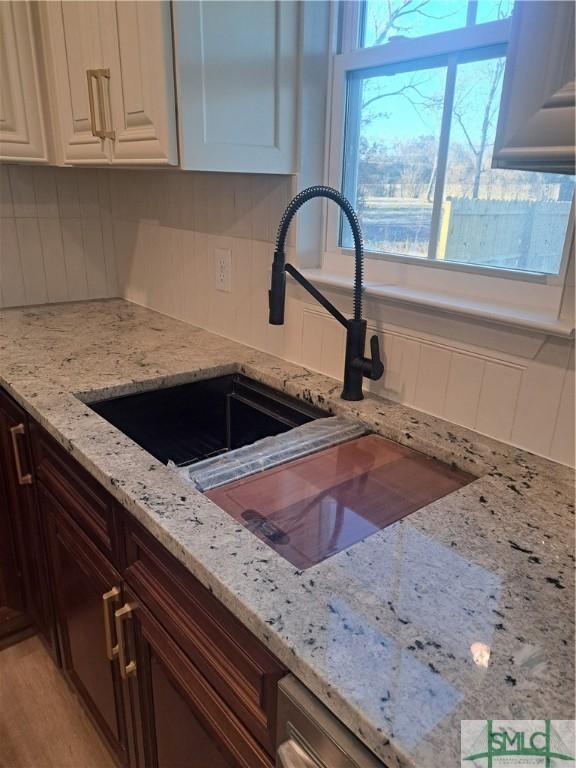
(42, 724)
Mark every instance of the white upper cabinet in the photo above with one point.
(72, 31)
(22, 128)
(113, 81)
(137, 38)
(104, 74)
(536, 126)
(237, 80)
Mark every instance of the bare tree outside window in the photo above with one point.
(502, 218)
(384, 19)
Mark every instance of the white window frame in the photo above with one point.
(428, 281)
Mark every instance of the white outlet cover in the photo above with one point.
(223, 267)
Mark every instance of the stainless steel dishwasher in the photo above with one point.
(309, 736)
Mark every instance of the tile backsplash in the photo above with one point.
(56, 237)
(151, 236)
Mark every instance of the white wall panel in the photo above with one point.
(312, 340)
(109, 256)
(562, 448)
(6, 207)
(88, 189)
(58, 243)
(96, 280)
(67, 190)
(74, 258)
(23, 194)
(410, 350)
(32, 260)
(539, 397)
(463, 388)
(45, 193)
(432, 379)
(11, 276)
(498, 399)
(54, 262)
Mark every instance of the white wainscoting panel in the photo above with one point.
(501, 395)
(562, 448)
(498, 399)
(463, 387)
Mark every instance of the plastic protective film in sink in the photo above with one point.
(270, 452)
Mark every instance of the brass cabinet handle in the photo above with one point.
(103, 73)
(107, 598)
(90, 74)
(127, 668)
(23, 479)
(98, 75)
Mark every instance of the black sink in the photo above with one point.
(192, 421)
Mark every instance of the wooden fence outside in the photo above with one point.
(517, 234)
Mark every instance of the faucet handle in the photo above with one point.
(376, 364)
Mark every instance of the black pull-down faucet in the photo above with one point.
(356, 365)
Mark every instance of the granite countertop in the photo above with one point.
(392, 634)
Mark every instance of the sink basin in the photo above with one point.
(191, 422)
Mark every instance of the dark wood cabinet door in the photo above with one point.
(25, 569)
(84, 586)
(183, 721)
(14, 622)
(239, 668)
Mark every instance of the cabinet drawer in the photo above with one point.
(76, 491)
(237, 665)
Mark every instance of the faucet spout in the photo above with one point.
(356, 366)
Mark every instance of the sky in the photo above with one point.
(407, 115)
(428, 16)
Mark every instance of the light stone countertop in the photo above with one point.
(382, 632)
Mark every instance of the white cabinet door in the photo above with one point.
(22, 130)
(73, 36)
(536, 125)
(137, 39)
(236, 78)
(133, 103)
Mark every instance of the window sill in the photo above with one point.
(540, 322)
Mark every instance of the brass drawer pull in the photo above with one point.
(107, 598)
(127, 668)
(23, 479)
(98, 75)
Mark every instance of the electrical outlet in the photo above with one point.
(223, 262)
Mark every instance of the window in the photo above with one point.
(420, 85)
(381, 20)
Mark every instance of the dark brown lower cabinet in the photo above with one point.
(169, 676)
(14, 622)
(183, 721)
(25, 597)
(87, 592)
